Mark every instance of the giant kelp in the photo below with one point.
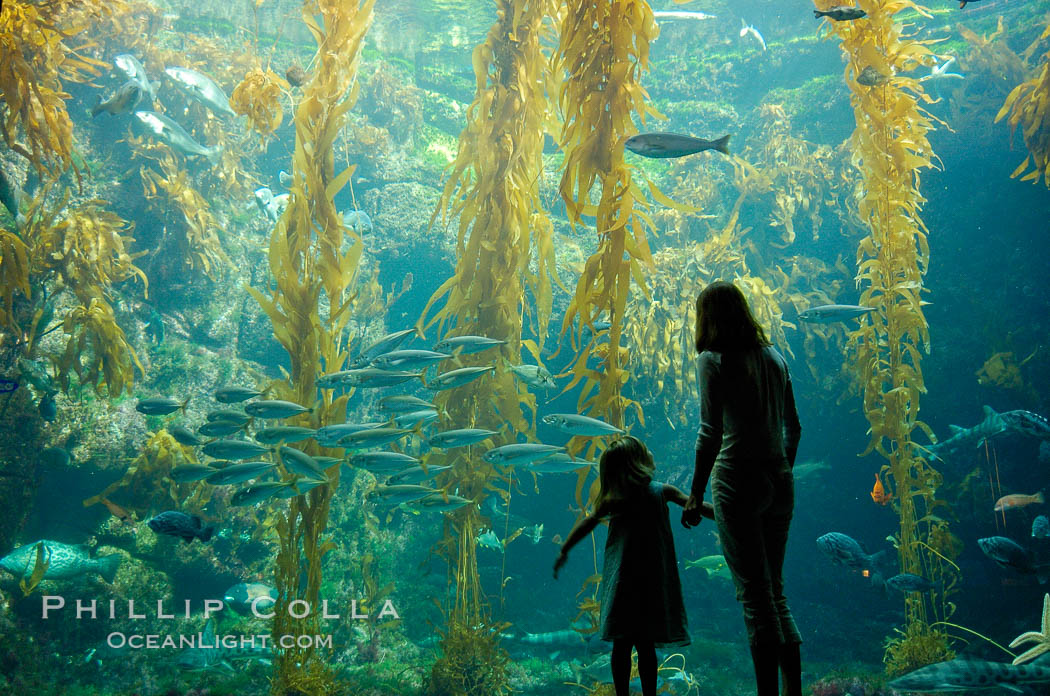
(1028, 106)
(36, 55)
(890, 149)
(493, 189)
(312, 254)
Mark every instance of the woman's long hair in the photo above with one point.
(623, 468)
(724, 322)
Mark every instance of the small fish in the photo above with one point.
(521, 453)
(65, 561)
(191, 472)
(271, 206)
(459, 438)
(160, 406)
(275, 409)
(1018, 500)
(383, 462)
(870, 77)
(669, 145)
(261, 492)
(283, 433)
(468, 345)
(213, 653)
(55, 456)
(233, 449)
(681, 14)
(457, 378)
(963, 3)
(841, 13)
(201, 88)
(117, 511)
(239, 473)
(180, 525)
(402, 493)
(373, 437)
(536, 533)
(488, 540)
(387, 343)
(747, 29)
(220, 428)
(908, 582)
(47, 407)
(438, 502)
(1007, 553)
(172, 134)
(184, 436)
(879, 494)
(534, 376)
(414, 418)
(120, 102)
(712, 565)
(329, 435)
(402, 402)
(1041, 527)
(827, 314)
(408, 359)
(416, 474)
(299, 462)
(285, 178)
(558, 463)
(245, 597)
(575, 424)
(234, 395)
(372, 377)
(230, 415)
(358, 221)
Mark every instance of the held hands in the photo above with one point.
(695, 510)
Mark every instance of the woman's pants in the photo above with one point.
(753, 505)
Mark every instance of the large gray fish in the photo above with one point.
(201, 88)
(829, 314)
(133, 70)
(66, 561)
(126, 98)
(992, 425)
(174, 136)
(669, 145)
(210, 653)
(971, 675)
(1009, 554)
(521, 453)
(459, 438)
(575, 424)
(467, 345)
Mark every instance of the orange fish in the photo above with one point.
(117, 511)
(879, 494)
(1018, 500)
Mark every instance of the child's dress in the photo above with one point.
(641, 593)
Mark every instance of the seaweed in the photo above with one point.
(1028, 106)
(258, 97)
(890, 149)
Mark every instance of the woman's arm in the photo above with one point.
(579, 532)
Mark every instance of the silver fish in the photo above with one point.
(374, 437)
(414, 418)
(402, 493)
(126, 98)
(171, 133)
(408, 359)
(437, 502)
(133, 70)
(828, 314)
(239, 473)
(301, 463)
(457, 378)
(383, 462)
(330, 435)
(234, 449)
(260, 492)
(283, 433)
(274, 409)
(534, 376)
(521, 453)
(191, 472)
(467, 345)
(459, 438)
(575, 424)
(201, 88)
(386, 343)
(559, 463)
(233, 395)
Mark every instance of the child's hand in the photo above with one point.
(559, 562)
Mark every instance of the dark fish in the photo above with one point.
(233, 395)
(908, 582)
(179, 524)
(219, 428)
(122, 101)
(1007, 553)
(275, 409)
(846, 551)
(56, 456)
(668, 145)
(841, 13)
(191, 472)
(8, 385)
(962, 3)
(184, 436)
(160, 406)
(230, 415)
(11, 194)
(870, 77)
(47, 407)
(970, 675)
(1041, 527)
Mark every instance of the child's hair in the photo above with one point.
(623, 467)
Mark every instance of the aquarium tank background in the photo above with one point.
(303, 305)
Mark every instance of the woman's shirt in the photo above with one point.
(747, 408)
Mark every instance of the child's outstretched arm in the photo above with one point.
(673, 494)
(579, 532)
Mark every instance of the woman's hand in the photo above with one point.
(693, 512)
(559, 562)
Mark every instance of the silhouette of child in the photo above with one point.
(641, 594)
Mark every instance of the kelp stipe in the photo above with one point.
(891, 148)
(493, 188)
(312, 253)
